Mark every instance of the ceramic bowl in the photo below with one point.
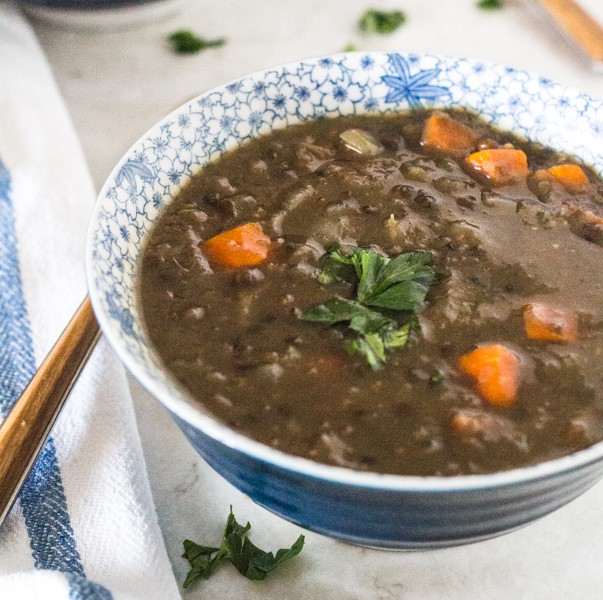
(101, 15)
(376, 510)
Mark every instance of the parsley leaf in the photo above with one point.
(250, 561)
(334, 268)
(490, 4)
(371, 346)
(374, 345)
(254, 563)
(378, 333)
(185, 41)
(201, 561)
(381, 21)
(398, 284)
(362, 319)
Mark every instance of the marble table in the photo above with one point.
(116, 84)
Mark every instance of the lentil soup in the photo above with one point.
(415, 294)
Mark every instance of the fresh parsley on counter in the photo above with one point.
(185, 41)
(397, 284)
(250, 561)
(490, 4)
(381, 21)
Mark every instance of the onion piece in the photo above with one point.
(361, 141)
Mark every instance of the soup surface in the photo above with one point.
(414, 294)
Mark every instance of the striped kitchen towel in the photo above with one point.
(84, 526)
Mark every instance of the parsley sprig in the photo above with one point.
(381, 21)
(396, 284)
(184, 41)
(399, 283)
(250, 561)
(490, 4)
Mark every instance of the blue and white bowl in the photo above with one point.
(384, 511)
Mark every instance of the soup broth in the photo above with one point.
(471, 261)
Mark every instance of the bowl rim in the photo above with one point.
(181, 404)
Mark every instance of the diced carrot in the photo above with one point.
(243, 246)
(444, 134)
(571, 177)
(495, 370)
(544, 322)
(499, 165)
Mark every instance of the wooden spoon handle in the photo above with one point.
(27, 425)
(578, 24)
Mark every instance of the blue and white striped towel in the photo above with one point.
(84, 526)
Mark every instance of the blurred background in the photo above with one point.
(118, 76)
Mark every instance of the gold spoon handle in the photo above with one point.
(578, 24)
(27, 425)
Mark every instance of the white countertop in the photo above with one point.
(116, 85)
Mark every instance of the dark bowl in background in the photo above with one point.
(100, 14)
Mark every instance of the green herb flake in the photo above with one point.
(436, 378)
(490, 4)
(336, 310)
(236, 547)
(350, 48)
(374, 346)
(398, 284)
(185, 41)
(381, 21)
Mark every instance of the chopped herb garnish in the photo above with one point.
(436, 378)
(381, 21)
(250, 561)
(350, 48)
(399, 284)
(490, 4)
(377, 333)
(362, 319)
(185, 41)
(374, 345)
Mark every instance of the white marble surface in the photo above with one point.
(117, 84)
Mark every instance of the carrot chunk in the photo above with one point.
(444, 134)
(495, 370)
(499, 165)
(544, 322)
(571, 177)
(243, 246)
